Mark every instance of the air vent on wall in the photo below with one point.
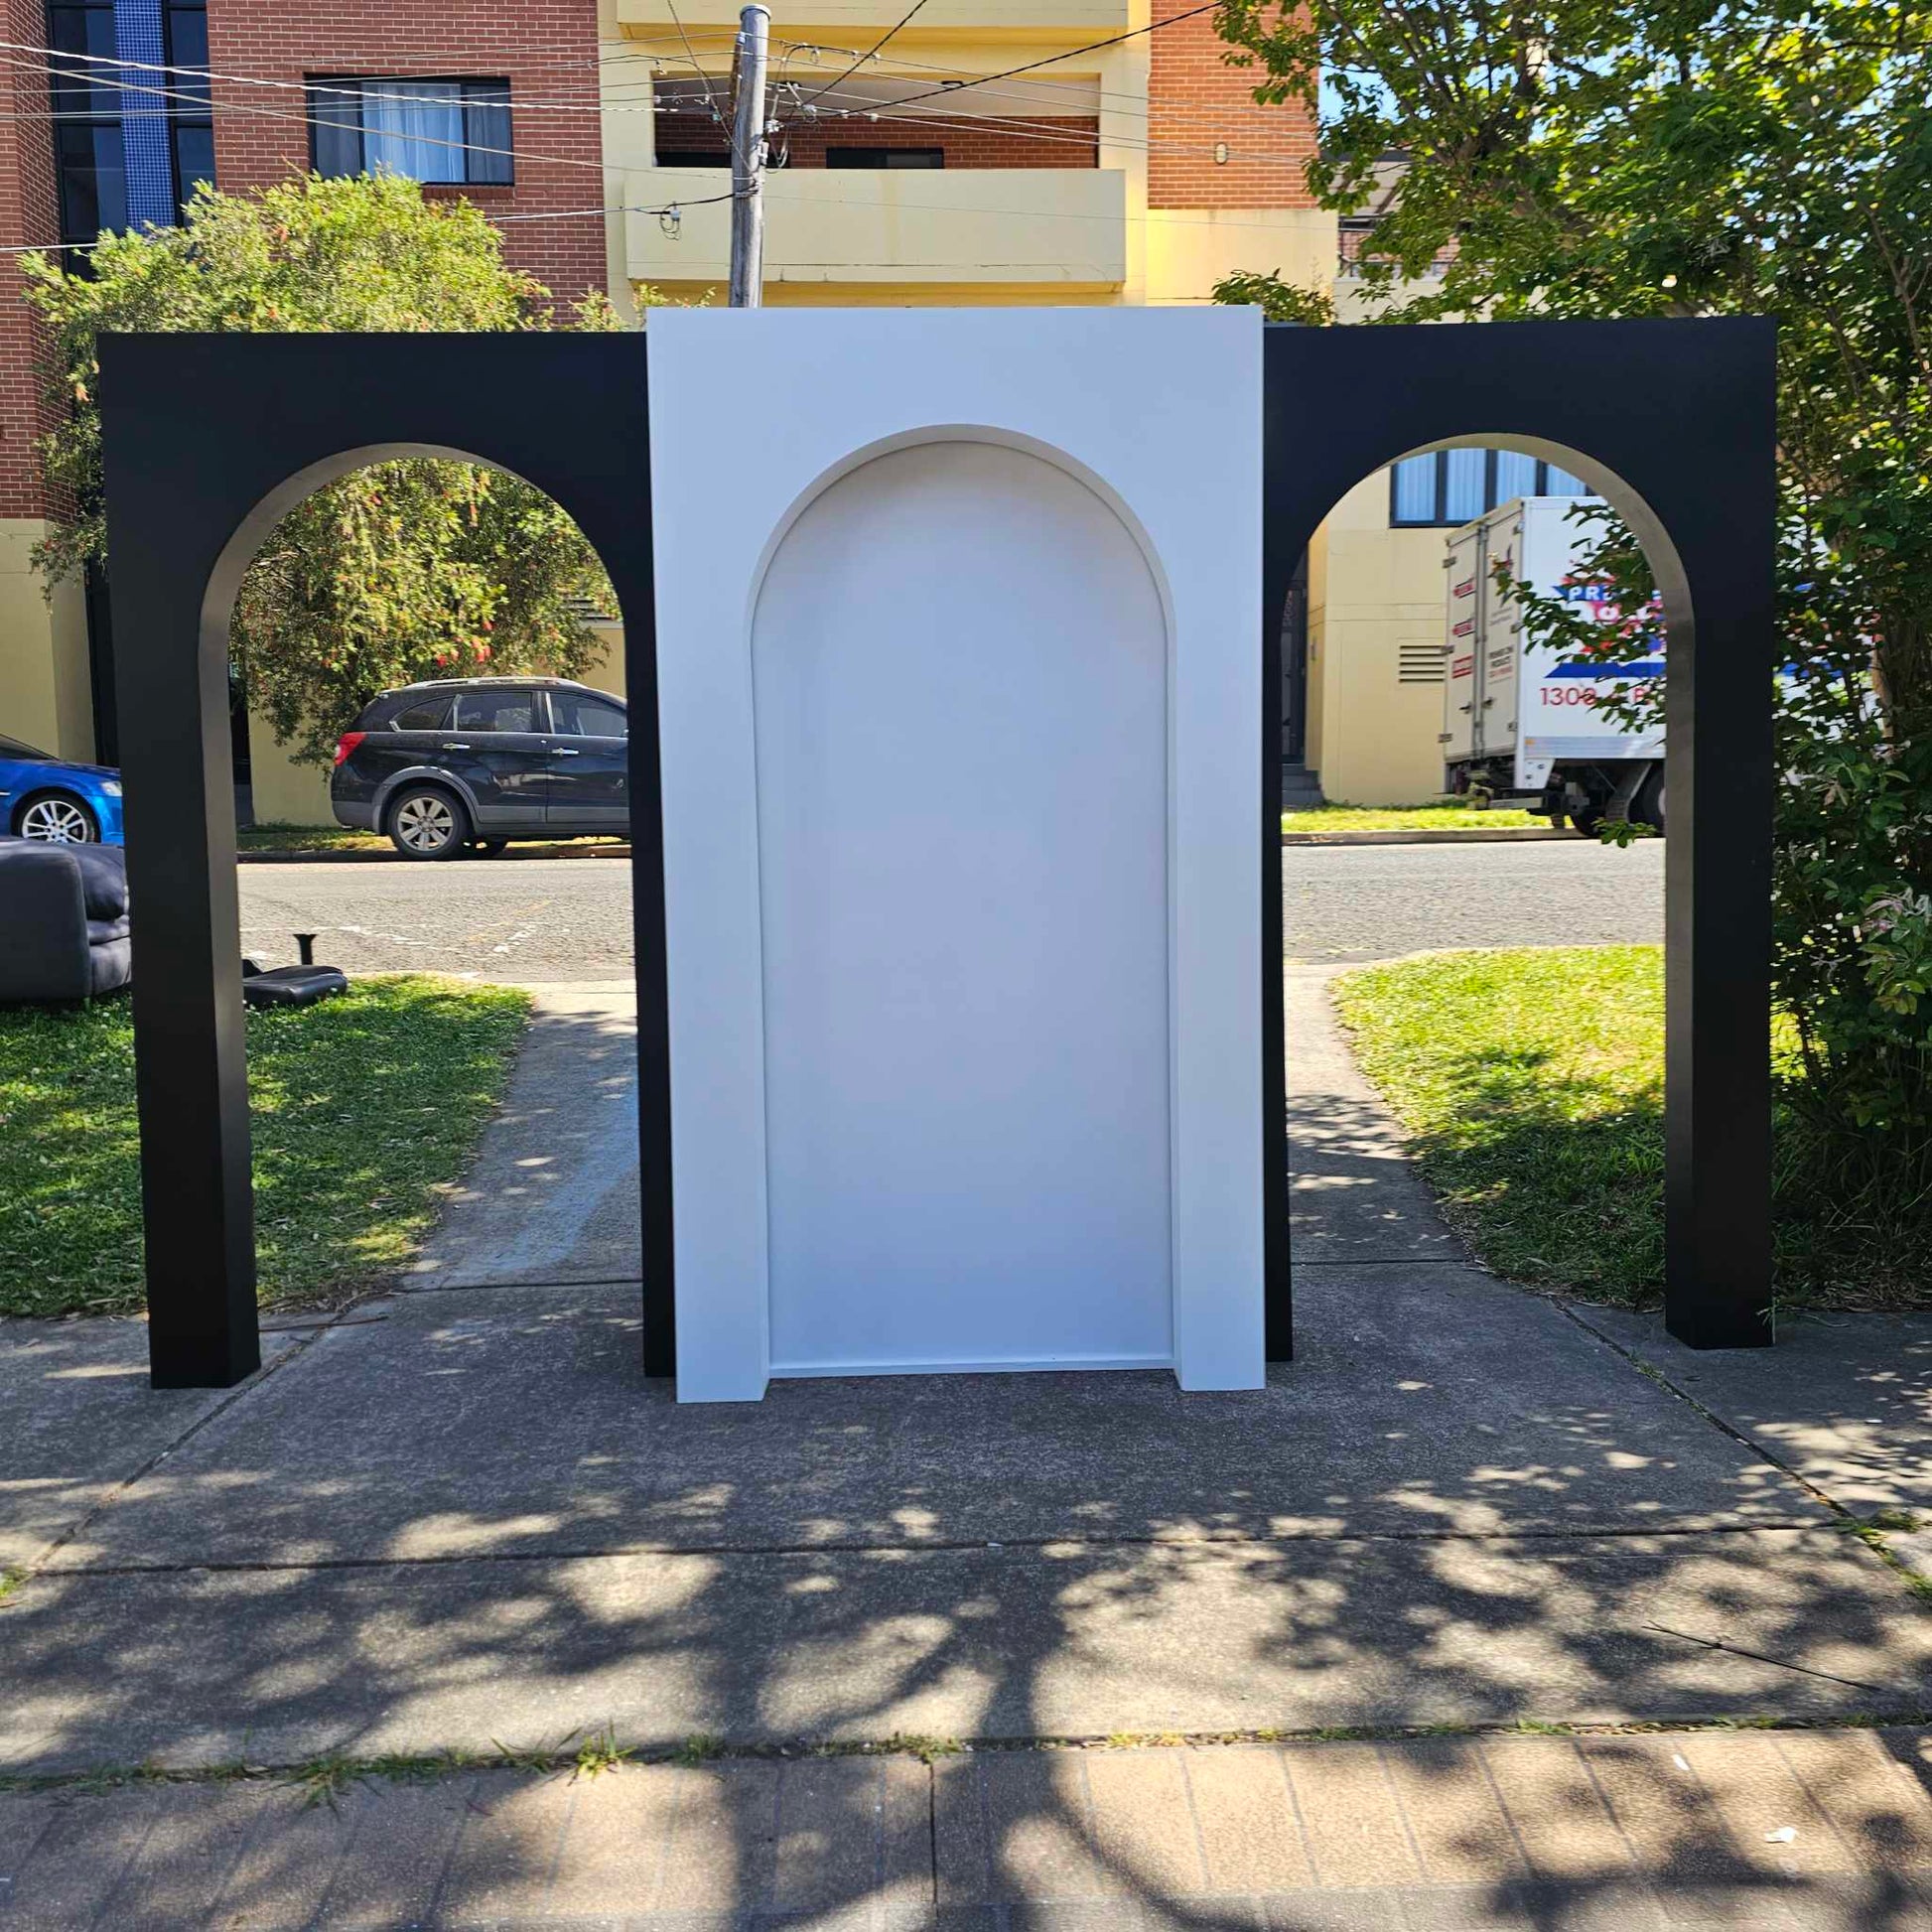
(1420, 664)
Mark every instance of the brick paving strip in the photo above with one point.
(1795, 1828)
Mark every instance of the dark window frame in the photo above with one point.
(565, 708)
(539, 727)
(85, 109)
(887, 157)
(194, 116)
(1440, 519)
(488, 162)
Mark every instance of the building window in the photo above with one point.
(885, 157)
(1451, 486)
(190, 119)
(455, 131)
(695, 157)
(87, 154)
(128, 151)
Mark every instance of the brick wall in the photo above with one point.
(27, 215)
(545, 49)
(1046, 141)
(1195, 102)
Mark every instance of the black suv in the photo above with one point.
(478, 761)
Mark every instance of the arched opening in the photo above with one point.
(953, 621)
(441, 652)
(1422, 659)
(1500, 976)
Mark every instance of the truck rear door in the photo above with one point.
(1463, 581)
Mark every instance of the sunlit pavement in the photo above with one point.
(971, 1651)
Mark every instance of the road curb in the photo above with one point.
(1465, 835)
(388, 856)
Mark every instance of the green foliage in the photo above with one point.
(1279, 301)
(360, 1110)
(399, 571)
(1531, 1083)
(1594, 158)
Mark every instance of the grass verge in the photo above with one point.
(361, 1109)
(307, 838)
(1531, 1085)
(1405, 818)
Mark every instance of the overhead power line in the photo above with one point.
(859, 59)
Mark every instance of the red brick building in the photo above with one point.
(278, 69)
(1125, 165)
(112, 109)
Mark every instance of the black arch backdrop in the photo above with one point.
(209, 439)
(1675, 422)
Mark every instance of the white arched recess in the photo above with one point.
(959, 688)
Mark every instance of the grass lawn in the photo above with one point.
(1433, 817)
(339, 838)
(361, 1107)
(1532, 1085)
(307, 838)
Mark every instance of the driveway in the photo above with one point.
(549, 920)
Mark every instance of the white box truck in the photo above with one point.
(1520, 719)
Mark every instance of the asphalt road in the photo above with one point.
(556, 920)
(1371, 901)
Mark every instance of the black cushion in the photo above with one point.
(103, 879)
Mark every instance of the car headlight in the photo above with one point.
(111, 786)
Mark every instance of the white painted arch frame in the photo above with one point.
(1158, 413)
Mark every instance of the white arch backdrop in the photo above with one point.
(957, 691)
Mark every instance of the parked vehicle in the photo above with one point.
(58, 800)
(1520, 720)
(467, 764)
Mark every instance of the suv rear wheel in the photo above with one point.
(426, 822)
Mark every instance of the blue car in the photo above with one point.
(45, 797)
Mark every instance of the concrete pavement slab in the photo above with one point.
(553, 1193)
(1352, 1194)
(519, 1422)
(80, 1420)
(1059, 1640)
(1845, 1399)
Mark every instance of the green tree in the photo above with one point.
(1277, 300)
(1596, 158)
(401, 570)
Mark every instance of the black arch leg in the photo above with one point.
(190, 1043)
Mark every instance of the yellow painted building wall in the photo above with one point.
(1372, 737)
(45, 696)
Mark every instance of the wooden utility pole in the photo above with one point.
(747, 160)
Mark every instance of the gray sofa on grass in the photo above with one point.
(64, 925)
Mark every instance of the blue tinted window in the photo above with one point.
(1415, 490)
(1465, 484)
(1453, 487)
(1515, 475)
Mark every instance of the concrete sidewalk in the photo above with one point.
(1788, 1829)
(462, 1522)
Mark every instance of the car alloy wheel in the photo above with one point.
(425, 822)
(58, 821)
